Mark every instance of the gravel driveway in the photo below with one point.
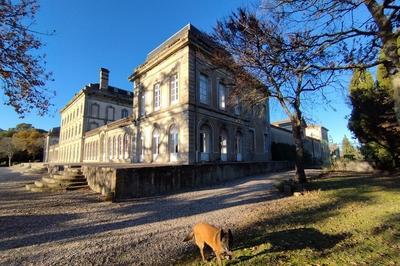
(77, 228)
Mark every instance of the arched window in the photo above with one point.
(238, 146)
(205, 145)
(93, 150)
(76, 153)
(156, 143)
(251, 141)
(143, 103)
(72, 153)
(114, 148)
(96, 151)
(109, 148)
(141, 146)
(221, 96)
(91, 145)
(103, 149)
(126, 146)
(124, 113)
(119, 147)
(223, 145)
(173, 143)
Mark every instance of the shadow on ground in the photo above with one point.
(293, 239)
(135, 212)
(347, 188)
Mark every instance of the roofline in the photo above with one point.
(81, 91)
(186, 27)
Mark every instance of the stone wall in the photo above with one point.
(100, 179)
(136, 182)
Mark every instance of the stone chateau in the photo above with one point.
(178, 113)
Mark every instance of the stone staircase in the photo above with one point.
(70, 178)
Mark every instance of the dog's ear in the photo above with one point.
(230, 238)
(222, 234)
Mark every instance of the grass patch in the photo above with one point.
(350, 219)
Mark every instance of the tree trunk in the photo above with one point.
(300, 175)
(9, 161)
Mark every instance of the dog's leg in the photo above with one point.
(202, 253)
(218, 258)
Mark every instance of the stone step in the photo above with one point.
(29, 186)
(63, 177)
(57, 176)
(34, 188)
(40, 184)
(65, 184)
(69, 179)
(43, 189)
(73, 170)
(77, 187)
(74, 166)
(61, 180)
(55, 185)
(73, 175)
(49, 180)
(77, 184)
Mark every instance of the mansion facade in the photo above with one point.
(178, 113)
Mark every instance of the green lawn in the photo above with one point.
(346, 219)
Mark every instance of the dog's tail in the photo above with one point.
(189, 237)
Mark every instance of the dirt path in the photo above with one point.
(76, 228)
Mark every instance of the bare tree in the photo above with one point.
(9, 146)
(22, 70)
(280, 63)
(355, 31)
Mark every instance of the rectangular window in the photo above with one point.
(143, 104)
(204, 89)
(110, 113)
(174, 89)
(157, 97)
(221, 96)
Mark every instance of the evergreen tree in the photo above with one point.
(349, 151)
(373, 120)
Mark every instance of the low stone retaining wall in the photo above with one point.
(136, 182)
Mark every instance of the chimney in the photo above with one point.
(103, 78)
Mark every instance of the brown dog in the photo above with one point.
(216, 238)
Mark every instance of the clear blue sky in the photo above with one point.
(118, 35)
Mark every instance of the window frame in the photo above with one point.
(124, 113)
(142, 106)
(221, 104)
(109, 107)
(174, 84)
(204, 91)
(156, 96)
